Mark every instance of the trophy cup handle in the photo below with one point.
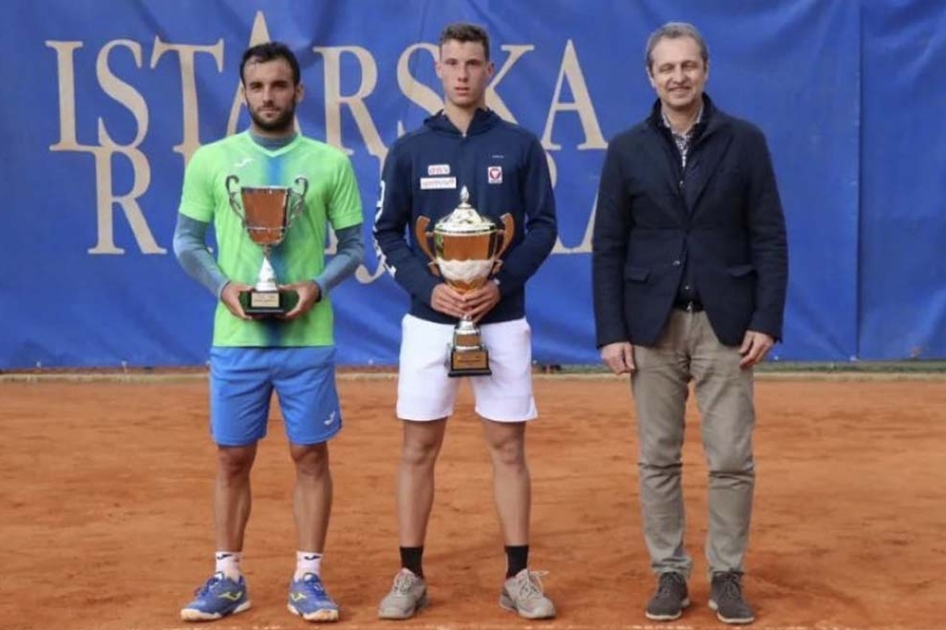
(422, 236)
(234, 195)
(506, 234)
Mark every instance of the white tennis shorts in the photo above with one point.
(425, 392)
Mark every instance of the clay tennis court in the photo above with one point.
(105, 509)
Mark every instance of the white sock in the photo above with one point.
(307, 562)
(228, 563)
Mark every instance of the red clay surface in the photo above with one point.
(105, 509)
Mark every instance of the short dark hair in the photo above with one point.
(268, 52)
(675, 30)
(465, 32)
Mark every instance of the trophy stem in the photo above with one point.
(266, 279)
(468, 356)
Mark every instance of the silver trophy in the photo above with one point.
(466, 252)
(266, 213)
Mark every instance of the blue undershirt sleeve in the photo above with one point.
(190, 247)
(349, 254)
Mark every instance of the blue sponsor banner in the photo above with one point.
(106, 102)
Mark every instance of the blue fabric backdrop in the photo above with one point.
(106, 101)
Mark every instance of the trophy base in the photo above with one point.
(468, 362)
(268, 303)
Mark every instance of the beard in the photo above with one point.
(283, 123)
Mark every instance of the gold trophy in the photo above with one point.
(467, 250)
(266, 213)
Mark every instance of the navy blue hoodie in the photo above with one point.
(505, 170)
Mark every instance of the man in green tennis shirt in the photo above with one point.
(293, 353)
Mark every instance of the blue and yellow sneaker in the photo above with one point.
(309, 600)
(218, 597)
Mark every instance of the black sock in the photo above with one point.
(412, 558)
(517, 559)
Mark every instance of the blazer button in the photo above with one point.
(676, 263)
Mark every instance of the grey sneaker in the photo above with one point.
(670, 599)
(407, 596)
(523, 594)
(726, 599)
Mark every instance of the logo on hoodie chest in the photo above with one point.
(437, 183)
(494, 175)
(437, 178)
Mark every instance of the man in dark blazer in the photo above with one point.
(690, 269)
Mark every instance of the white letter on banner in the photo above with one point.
(103, 154)
(121, 91)
(135, 102)
(189, 107)
(128, 202)
(493, 100)
(67, 95)
(415, 91)
(585, 246)
(582, 104)
(355, 102)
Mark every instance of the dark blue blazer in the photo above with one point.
(721, 216)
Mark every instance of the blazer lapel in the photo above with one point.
(663, 161)
(703, 164)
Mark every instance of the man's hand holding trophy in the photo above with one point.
(467, 250)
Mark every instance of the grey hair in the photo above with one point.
(675, 30)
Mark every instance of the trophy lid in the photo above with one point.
(464, 219)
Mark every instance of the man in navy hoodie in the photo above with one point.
(504, 168)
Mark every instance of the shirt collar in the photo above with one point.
(689, 132)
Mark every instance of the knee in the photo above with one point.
(660, 468)
(663, 455)
(420, 453)
(660, 443)
(731, 462)
(310, 461)
(235, 463)
(509, 453)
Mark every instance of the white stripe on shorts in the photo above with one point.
(425, 392)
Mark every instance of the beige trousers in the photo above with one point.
(689, 350)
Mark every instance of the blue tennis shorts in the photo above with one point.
(242, 382)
